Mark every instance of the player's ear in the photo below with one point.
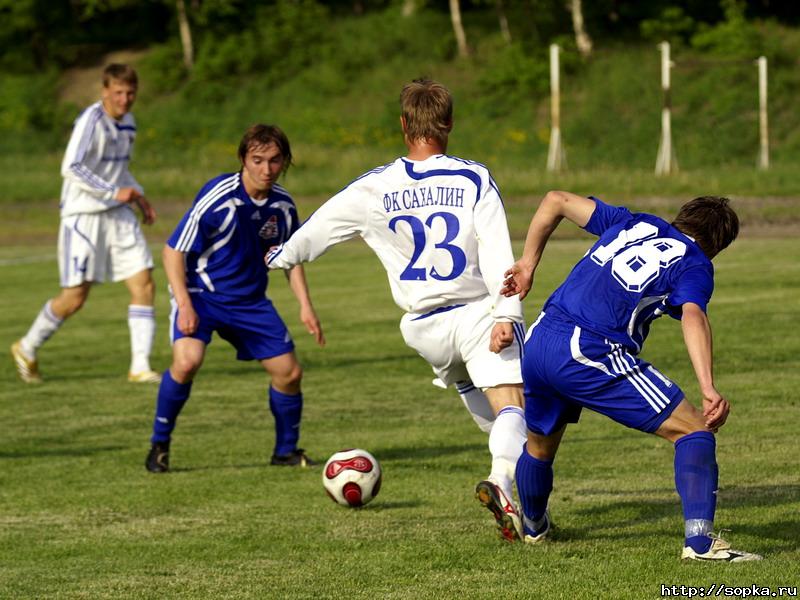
(403, 123)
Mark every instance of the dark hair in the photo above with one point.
(263, 135)
(427, 108)
(120, 72)
(710, 221)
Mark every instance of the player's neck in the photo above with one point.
(423, 149)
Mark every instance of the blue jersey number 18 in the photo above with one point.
(637, 260)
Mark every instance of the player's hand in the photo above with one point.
(715, 409)
(518, 280)
(126, 195)
(313, 326)
(148, 212)
(188, 320)
(502, 337)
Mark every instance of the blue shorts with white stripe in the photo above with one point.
(566, 368)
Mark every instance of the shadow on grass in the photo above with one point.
(627, 513)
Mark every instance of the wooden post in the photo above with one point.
(763, 155)
(666, 162)
(556, 157)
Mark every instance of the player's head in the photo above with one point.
(265, 155)
(711, 221)
(264, 135)
(426, 111)
(120, 84)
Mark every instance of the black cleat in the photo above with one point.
(158, 458)
(296, 458)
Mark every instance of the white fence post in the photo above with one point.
(556, 157)
(763, 155)
(666, 161)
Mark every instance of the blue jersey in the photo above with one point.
(639, 269)
(226, 235)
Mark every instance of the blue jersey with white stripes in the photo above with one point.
(640, 268)
(226, 235)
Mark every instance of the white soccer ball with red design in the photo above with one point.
(352, 477)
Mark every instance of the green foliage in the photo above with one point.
(735, 37)
(26, 104)
(514, 75)
(280, 40)
(162, 69)
(673, 25)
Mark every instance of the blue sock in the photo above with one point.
(287, 410)
(171, 398)
(696, 479)
(534, 484)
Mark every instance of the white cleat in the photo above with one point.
(720, 551)
(27, 368)
(144, 377)
(543, 532)
(505, 513)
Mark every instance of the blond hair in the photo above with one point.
(427, 109)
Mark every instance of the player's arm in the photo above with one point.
(341, 218)
(175, 268)
(299, 286)
(494, 256)
(697, 337)
(555, 206)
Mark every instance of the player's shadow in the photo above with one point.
(644, 508)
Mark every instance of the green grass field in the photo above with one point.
(80, 517)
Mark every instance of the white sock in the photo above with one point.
(477, 404)
(142, 325)
(44, 325)
(505, 443)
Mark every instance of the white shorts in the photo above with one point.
(455, 342)
(101, 246)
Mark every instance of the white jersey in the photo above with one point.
(437, 225)
(95, 164)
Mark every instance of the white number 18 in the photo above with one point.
(637, 257)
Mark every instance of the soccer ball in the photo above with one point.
(352, 477)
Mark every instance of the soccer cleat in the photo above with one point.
(27, 368)
(505, 513)
(296, 458)
(542, 533)
(158, 458)
(144, 377)
(720, 550)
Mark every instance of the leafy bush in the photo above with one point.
(735, 37)
(673, 25)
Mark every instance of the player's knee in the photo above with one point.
(144, 292)
(183, 368)
(288, 379)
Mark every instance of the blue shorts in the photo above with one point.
(565, 369)
(253, 327)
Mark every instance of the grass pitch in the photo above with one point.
(80, 517)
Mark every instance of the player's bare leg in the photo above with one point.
(47, 322)
(286, 405)
(696, 479)
(142, 326)
(506, 440)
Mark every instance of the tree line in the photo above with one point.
(37, 35)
